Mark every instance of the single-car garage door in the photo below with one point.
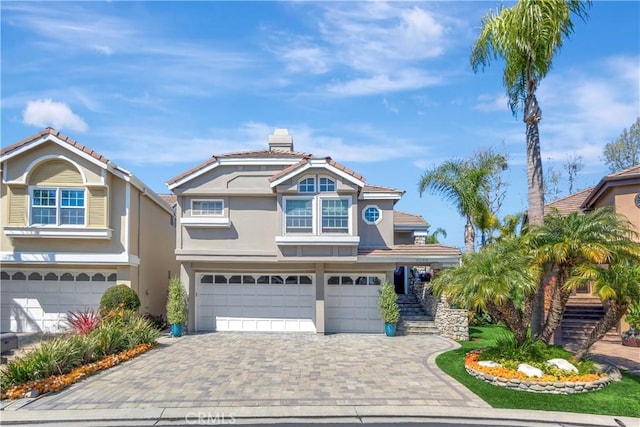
(255, 302)
(39, 301)
(352, 303)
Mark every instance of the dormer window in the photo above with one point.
(307, 185)
(327, 185)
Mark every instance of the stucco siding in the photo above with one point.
(231, 180)
(376, 235)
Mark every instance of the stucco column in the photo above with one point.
(188, 281)
(320, 307)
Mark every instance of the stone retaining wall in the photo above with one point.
(560, 387)
(451, 322)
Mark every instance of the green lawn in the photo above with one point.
(619, 398)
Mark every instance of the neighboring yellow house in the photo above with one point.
(73, 224)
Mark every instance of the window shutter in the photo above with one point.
(97, 207)
(18, 206)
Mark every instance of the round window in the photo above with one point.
(638, 200)
(372, 214)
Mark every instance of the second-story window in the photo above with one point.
(307, 185)
(298, 215)
(335, 216)
(327, 185)
(207, 207)
(57, 206)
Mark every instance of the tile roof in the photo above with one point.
(400, 217)
(171, 199)
(633, 171)
(265, 154)
(62, 137)
(629, 176)
(412, 250)
(305, 160)
(570, 203)
(380, 189)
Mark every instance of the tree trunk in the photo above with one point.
(532, 116)
(469, 236)
(612, 316)
(558, 303)
(508, 314)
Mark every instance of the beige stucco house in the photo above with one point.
(620, 191)
(74, 223)
(278, 240)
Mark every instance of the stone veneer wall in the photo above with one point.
(451, 322)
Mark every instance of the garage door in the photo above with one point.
(39, 301)
(352, 303)
(255, 302)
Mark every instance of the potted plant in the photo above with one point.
(631, 338)
(389, 308)
(176, 307)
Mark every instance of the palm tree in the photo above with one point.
(527, 36)
(498, 279)
(563, 245)
(618, 285)
(462, 182)
(433, 237)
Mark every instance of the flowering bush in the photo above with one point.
(509, 372)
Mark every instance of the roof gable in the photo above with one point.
(624, 177)
(307, 163)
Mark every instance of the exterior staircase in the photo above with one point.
(580, 316)
(414, 320)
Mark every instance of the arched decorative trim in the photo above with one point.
(40, 160)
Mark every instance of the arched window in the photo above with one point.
(307, 185)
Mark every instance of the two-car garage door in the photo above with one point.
(286, 302)
(39, 301)
(255, 302)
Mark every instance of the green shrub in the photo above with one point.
(388, 303)
(110, 338)
(140, 331)
(176, 303)
(119, 296)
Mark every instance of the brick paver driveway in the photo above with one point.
(233, 369)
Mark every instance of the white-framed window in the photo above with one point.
(209, 207)
(335, 216)
(307, 185)
(56, 206)
(372, 214)
(326, 185)
(298, 214)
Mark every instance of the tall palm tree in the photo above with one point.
(499, 279)
(565, 244)
(527, 36)
(618, 285)
(461, 182)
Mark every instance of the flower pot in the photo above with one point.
(176, 329)
(632, 341)
(390, 329)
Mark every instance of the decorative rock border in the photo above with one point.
(558, 387)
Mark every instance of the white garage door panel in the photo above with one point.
(32, 305)
(351, 307)
(253, 307)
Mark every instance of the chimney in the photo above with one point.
(280, 140)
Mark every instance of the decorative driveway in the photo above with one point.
(253, 369)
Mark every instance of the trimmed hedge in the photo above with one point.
(119, 296)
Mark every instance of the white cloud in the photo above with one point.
(45, 112)
(407, 79)
(490, 103)
(104, 49)
(389, 106)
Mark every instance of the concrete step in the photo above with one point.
(418, 318)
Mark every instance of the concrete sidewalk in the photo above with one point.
(308, 414)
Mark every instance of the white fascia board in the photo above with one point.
(58, 232)
(417, 232)
(316, 163)
(233, 162)
(55, 140)
(380, 196)
(68, 258)
(307, 240)
(205, 222)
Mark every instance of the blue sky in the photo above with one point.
(384, 88)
